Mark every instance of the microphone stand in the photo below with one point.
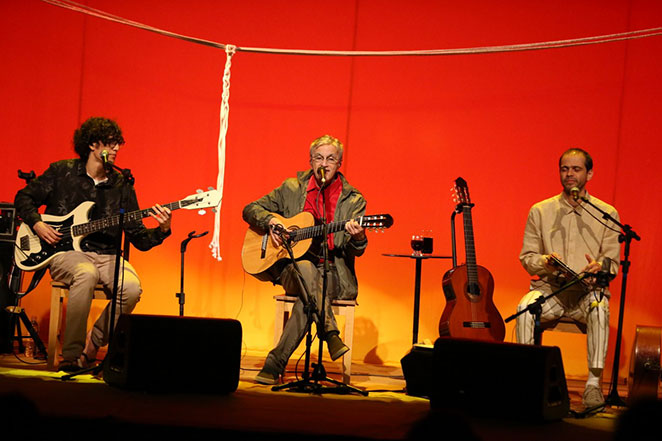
(626, 236)
(310, 307)
(118, 259)
(180, 295)
(535, 308)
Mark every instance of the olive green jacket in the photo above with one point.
(288, 200)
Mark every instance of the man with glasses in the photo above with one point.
(343, 202)
(63, 187)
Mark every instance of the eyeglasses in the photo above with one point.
(112, 145)
(329, 159)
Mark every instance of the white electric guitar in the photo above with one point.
(31, 253)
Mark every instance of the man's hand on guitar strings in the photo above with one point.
(277, 231)
(355, 230)
(47, 233)
(163, 217)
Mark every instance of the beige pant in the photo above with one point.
(589, 309)
(82, 271)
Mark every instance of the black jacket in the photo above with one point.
(66, 184)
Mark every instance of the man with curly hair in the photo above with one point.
(62, 188)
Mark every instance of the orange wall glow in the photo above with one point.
(411, 125)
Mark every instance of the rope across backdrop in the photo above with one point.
(230, 50)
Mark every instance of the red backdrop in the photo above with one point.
(411, 125)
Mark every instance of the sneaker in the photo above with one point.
(593, 396)
(267, 376)
(336, 347)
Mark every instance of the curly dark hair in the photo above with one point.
(96, 129)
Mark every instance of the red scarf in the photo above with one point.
(313, 203)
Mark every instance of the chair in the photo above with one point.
(345, 308)
(59, 290)
(565, 324)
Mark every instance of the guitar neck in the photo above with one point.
(469, 246)
(113, 221)
(318, 230)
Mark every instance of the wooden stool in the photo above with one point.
(565, 324)
(59, 290)
(284, 305)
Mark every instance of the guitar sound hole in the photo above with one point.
(473, 289)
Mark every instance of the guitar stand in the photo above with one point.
(311, 383)
(18, 315)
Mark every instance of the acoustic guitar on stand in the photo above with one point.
(468, 288)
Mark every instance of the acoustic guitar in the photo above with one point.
(259, 254)
(468, 288)
(644, 375)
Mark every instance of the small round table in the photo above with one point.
(417, 283)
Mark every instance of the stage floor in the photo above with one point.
(41, 404)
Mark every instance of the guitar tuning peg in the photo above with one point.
(210, 188)
(198, 191)
(202, 212)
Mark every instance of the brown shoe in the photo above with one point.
(267, 376)
(336, 347)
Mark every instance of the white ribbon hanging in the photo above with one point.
(223, 130)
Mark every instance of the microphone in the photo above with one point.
(604, 276)
(574, 192)
(104, 157)
(322, 172)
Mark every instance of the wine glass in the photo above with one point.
(426, 237)
(417, 245)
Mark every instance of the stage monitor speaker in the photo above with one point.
(174, 354)
(499, 379)
(418, 368)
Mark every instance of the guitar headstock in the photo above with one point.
(377, 222)
(461, 193)
(200, 200)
